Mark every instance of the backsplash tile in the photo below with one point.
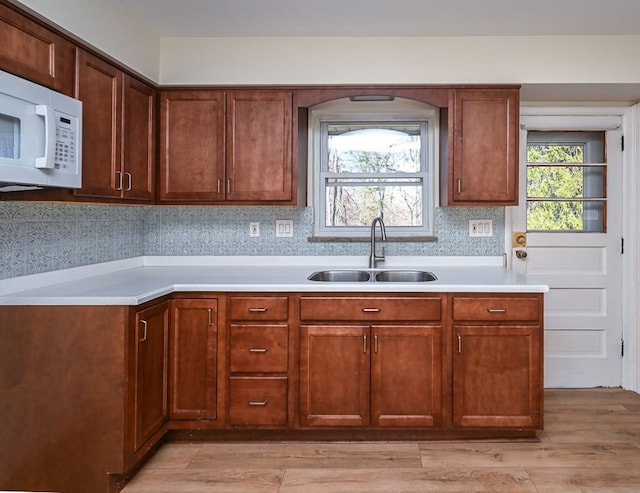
(39, 237)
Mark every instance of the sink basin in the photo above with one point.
(365, 275)
(405, 276)
(340, 276)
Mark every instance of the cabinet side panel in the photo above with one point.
(62, 381)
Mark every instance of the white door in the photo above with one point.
(571, 210)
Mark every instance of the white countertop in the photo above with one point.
(141, 279)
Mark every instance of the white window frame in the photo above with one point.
(398, 110)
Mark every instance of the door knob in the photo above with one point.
(521, 254)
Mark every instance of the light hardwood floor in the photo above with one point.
(591, 443)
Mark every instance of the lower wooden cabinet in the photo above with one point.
(497, 377)
(194, 355)
(258, 400)
(151, 352)
(497, 361)
(258, 361)
(364, 375)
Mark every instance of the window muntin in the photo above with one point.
(566, 181)
(369, 162)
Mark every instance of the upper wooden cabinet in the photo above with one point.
(118, 131)
(32, 51)
(482, 167)
(191, 146)
(259, 146)
(226, 147)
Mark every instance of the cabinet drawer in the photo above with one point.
(370, 308)
(496, 308)
(258, 308)
(258, 348)
(258, 400)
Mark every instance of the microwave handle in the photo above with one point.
(47, 160)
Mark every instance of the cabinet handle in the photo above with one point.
(371, 310)
(129, 182)
(375, 343)
(364, 343)
(258, 310)
(258, 403)
(459, 186)
(228, 185)
(459, 343)
(258, 349)
(497, 310)
(210, 315)
(144, 325)
(219, 186)
(119, 173)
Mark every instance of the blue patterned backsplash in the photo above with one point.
(40, 237)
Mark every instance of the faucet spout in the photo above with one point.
(374, 258)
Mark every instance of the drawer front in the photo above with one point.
(258, 348)
(495, 308)
(258, 401)
(371, 308)
(272, 308)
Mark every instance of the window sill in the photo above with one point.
(363, 239)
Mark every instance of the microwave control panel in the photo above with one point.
(66, 143)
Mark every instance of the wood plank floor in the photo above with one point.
(591, 443)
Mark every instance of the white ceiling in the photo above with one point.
(223, 18)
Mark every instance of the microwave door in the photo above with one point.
(21, 140)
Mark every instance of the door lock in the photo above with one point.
(521, 254)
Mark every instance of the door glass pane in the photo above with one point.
(566, 181)
(9, 137)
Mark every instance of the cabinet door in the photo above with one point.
(99, 87)
(194, 338)
(191, 146)
(259, 145)
(334, 375)
(406, 376)
(483, 160)
(497, 372)
(151, 331)
(138, 140)
(33, 52)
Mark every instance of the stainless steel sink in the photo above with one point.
(341, 276)
(365, 276)
(405, 276)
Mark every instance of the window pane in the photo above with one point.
(374, 147)
(569, 215)
(356, 204)
(569, 182)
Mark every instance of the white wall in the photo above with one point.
(107, 26)
(446, 60)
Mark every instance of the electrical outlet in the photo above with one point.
(254, 229)
(480, 228)
(284, 228)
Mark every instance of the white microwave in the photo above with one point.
(40, 136)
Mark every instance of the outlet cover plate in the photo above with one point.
(480, 228)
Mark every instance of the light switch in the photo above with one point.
(284, 228)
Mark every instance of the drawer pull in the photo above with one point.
(258, 403)
(497, 310)
(371, 310)
(258, 349)
(257, 310)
